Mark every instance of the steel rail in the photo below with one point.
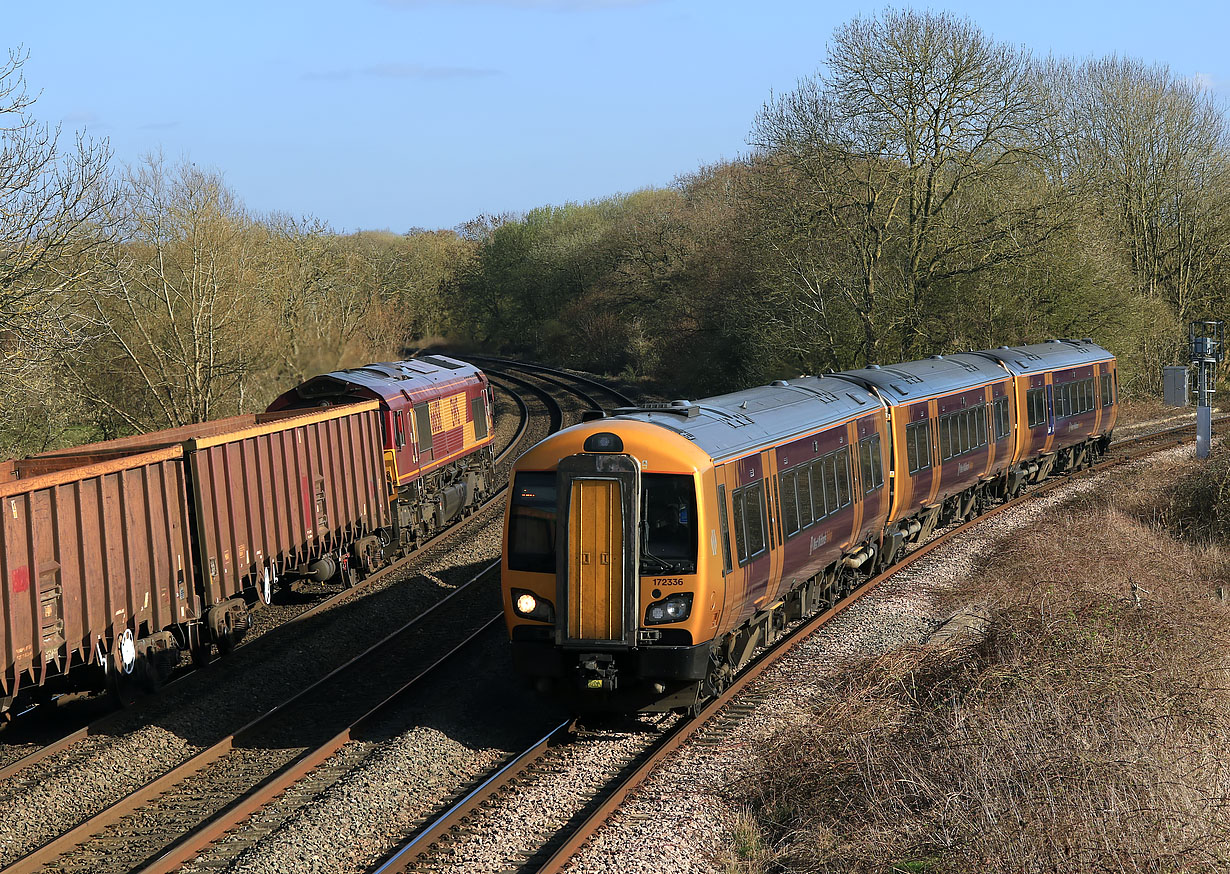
(533, 366)
(689, 727)
(564, 844)
(92, 825)
(419, 845)
(104, 723)
(192, 844)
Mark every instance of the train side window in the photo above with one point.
(724, 524)
(399, 429)
(774, 496)
(790, 502)
(999, 415)
(816, 473)
(869, 456)
(740, 536)
(918, 445)
(754, 518)
(843, 476)
(422, 423)
(945, 437)
(1107, 398)
(802, 482)
(830, 485)
(479, 408)
(1036, 406)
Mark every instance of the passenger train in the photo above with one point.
(650, 552)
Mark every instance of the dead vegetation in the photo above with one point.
(1089, 731)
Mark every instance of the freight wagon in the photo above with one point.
(119, 556)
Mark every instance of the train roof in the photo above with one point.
(1051, 355)
(732, 424)
(917, 380)
(415, 379)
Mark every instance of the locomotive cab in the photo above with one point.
(601, 559)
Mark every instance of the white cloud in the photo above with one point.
(1204, 82)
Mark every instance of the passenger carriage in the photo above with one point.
(651, 552)
(648, 554)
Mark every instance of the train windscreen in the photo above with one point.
(531, 524)
(669, 533)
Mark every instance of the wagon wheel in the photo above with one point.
(123, 680)
(202, 654)
(226, 638)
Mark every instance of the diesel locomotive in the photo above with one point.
(648, 553)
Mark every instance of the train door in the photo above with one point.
(597, 501)
(1050, 408)
(750, 520)
(595, 560)
(720, 591)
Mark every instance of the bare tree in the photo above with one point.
(181, 323)
(54, 214)
(1154, 151)
(896, 158)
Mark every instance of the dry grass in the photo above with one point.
(1087, 732)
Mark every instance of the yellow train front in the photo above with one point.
(647, 554)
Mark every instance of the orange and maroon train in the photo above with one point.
(649, 553)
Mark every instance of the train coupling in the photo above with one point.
(597, 671)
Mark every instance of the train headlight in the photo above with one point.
(673, 608)
(527, 605)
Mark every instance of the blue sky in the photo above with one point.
(424, 113)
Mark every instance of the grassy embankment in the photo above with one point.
(1089, 731)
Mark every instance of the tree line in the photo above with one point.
(931, 189)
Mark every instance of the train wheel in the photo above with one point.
(123, 679)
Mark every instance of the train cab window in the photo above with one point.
(478, 409)
(669, 533)
(749, 522)
(422, 424)
(399, 429)
(1035, 402)
(1000, 416)
(1108, 396)
(724, 523)
(872, 463)
(918, 445)
(531, 523)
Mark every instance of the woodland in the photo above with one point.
(928, 190)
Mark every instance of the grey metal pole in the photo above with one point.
(1204, 416)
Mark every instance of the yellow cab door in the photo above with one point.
(596, 560)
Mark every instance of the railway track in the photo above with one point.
(112, 721)
(116, 833)
(445, 844)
